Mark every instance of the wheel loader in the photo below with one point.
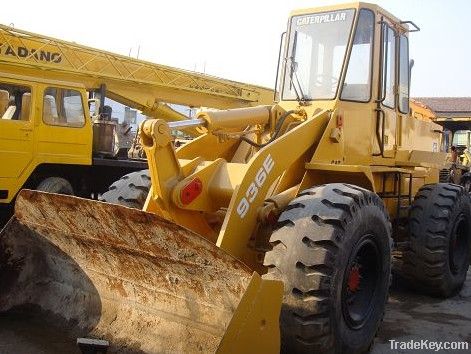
(275, 230)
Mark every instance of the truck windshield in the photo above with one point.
(316, 52)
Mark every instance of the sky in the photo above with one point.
(239, 40)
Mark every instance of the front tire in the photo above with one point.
(131, 190)
(332, 250)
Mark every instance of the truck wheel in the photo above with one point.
(57, 185)
(130, 190)
(437, 257)
(332, 250)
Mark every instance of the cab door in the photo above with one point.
(65, 133)
(16, 133)
(387, 98)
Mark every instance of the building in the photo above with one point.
(452, 112)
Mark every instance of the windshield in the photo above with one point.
(316, 52)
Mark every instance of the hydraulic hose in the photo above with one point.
(278, 126)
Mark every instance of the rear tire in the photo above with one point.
(130, 190)
(332, 250)
(437, 257)
(57, 185)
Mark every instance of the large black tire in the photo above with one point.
(57, 185)
(130, 190)
(437, 257)
(332, 250)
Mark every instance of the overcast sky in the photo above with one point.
(239, 39)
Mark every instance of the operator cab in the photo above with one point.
(353, 58)
(330, 55)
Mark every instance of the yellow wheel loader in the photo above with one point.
(274, 230)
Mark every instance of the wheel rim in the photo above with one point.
(458, 248)
(361, 282)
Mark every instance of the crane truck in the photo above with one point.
(274, 229)
(49, 140)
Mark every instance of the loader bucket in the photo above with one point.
(104, 271)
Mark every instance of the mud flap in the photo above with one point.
(131, 277)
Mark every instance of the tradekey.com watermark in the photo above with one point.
(426, 344)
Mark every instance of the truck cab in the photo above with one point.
(46, 131)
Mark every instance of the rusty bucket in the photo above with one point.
(124, 275)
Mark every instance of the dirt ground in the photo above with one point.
(411, 316)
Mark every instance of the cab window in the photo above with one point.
(403, 74)
(357, 84)
(63, 107)
(15, 102)
(317, 47)
(389, 66)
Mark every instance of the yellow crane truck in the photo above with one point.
(273, 230)
(49, 141)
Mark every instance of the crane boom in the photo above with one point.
(137, 83)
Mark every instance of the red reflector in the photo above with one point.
(339, 121)
(191, 191)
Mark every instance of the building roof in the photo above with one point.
(448, 106)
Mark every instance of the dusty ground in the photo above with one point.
(413, 316)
